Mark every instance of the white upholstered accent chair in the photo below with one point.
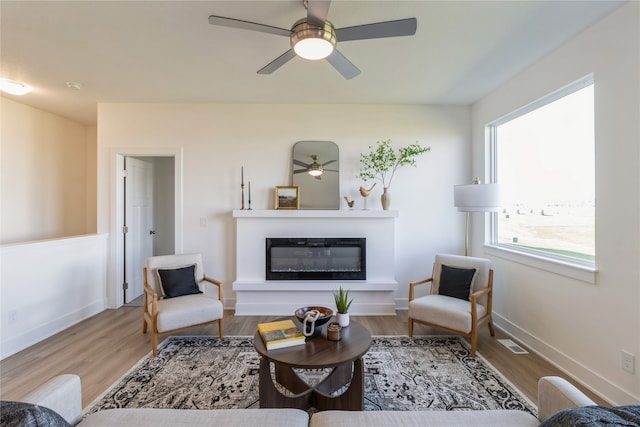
(178, 296)
(446, 305)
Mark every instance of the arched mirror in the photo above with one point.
(316, 171)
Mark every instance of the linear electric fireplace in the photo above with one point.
(316, 258)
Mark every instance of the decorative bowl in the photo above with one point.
(325, 315)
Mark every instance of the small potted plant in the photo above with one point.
(343, 303)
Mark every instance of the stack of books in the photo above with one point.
(280, 334)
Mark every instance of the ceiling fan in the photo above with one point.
(314, 37)
(314, 169)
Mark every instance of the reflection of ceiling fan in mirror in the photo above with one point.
(314, 168)
(315, 38)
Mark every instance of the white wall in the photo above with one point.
(47, 175)
(583, 327)
(91, 179)
(48, 191)
(48, 286)
(216, 140)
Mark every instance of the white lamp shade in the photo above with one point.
(477, 197)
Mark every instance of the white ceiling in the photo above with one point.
(166, 51)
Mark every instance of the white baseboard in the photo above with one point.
(602, 387)
(34, 336)
(229, 304)
(402, 303)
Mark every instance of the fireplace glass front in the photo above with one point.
(316, 259)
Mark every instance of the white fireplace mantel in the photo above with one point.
(351, 213)
(257, 296)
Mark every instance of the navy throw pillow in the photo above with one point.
(595, 416)
(22, 414)
(456, 282)
(180, 281)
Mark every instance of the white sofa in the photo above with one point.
(63, 394)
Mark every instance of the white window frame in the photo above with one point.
(583, 270)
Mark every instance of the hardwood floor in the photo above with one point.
(103, 348)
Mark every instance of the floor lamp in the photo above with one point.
(475, 197)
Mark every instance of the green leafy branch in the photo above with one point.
(382, 162)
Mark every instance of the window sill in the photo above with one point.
(584, 273)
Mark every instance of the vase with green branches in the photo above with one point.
(383, 161)
(341, 297)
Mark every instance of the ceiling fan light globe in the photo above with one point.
(315, 169)
(312, 42)
(313, 49)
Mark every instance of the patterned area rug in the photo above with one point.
(401, 374)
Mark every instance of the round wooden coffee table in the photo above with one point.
(344, 357)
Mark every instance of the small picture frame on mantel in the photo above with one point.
(287, 197)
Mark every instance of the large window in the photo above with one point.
(543, 157)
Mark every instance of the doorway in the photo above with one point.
(149, 220)
(173, 155)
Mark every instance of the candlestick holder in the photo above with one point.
(242, 187)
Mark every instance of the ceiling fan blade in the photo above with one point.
(296, 171)
(278, 62)
(401, 27)
(328, 163)
(300, 163)
(343, 65)
(317, 11)
(246, 25)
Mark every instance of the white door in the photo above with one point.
(138, 238)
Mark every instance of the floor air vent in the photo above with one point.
(515, 348)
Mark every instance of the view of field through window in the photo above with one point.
(546, 171)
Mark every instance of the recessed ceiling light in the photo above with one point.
(13, 87)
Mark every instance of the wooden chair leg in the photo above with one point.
(220, 328)
(474, 342)
(410, 327)
(144, 326)
(491, 331)
(154, 342)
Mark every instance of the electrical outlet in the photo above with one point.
(628, 362)
(203, 222)
(13, 317)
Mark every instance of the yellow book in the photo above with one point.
(280, 334)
